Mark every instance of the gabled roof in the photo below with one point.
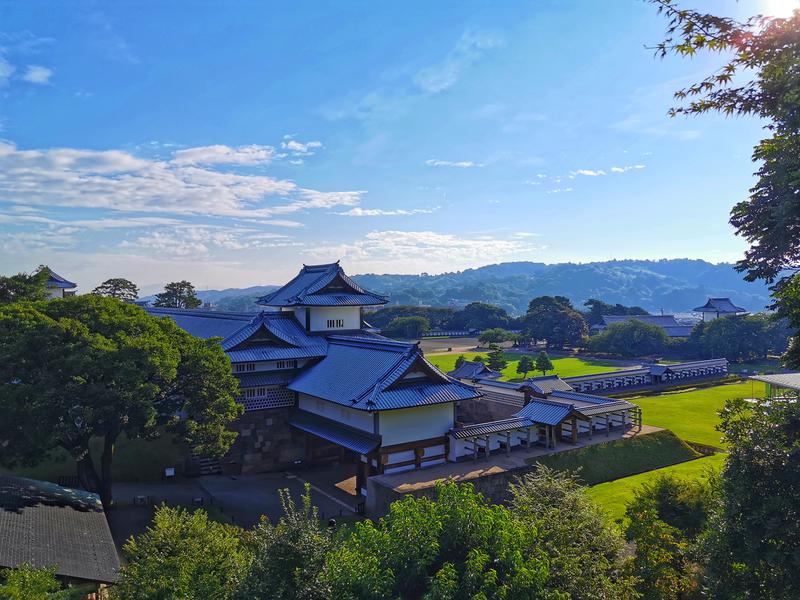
(204, 323)
(378, 375)
(45, 524)
(789, 381)
(56, 281)
(548, 384)
(720, 305)
(322, 285)
(473, 369)
(547, 413)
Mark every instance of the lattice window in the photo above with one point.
(286, 364)
(335, 323)
(263, 398)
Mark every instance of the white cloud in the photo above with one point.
(461, 164)
(38, 74)
(416, 251)
(377, 212)
(299, 148)
(119, 181)
(6, 71)
(559, 190)
(626, 168)
(469, 49)
(194, 241)
(219, 154)
(588, 172)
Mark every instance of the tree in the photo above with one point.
(630, 338)
(496, 335)
(118, 288)
(407, 327)
(437, 317)
(525, 365)
(738, 337)
(24, 286)
(543, 363)
(479, 315)
(496, 359)
(90, 367)
(454, 546)
(289, 557)
(183, 555)
(750, 550)
(460, 360)
(28, 583)
(598, 308)
(480, 358)
(585, 552)
(178, 294)
(553, 318)
(759, 78)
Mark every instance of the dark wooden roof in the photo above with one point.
(48, 525)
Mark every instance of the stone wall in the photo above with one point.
(482, 410)
(265, 442)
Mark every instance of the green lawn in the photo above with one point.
(614, 495)
(620, 458)
(134, 460)
(692, 415)
(564, 367)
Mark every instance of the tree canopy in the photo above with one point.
(543, 362)
(24, 286)
(630, 338)
(525, 365)
(118, 288)
(598, 308)
(92, 367)
(495, 335)
(554, 319)
(178, 294)
(407, 327)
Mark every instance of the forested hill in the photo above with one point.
(673, 285)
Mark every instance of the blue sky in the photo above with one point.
(228, 143)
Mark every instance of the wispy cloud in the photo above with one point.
(119, 181)
(377, 212)
(626, 168)
(297, 148)
(588, 173)
(461, 164)
(559, 190)
(469, 49)
(38, 74)
(6, 71)
(200, 241)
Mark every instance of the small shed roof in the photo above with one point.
(473, 369)
(57, 281)
(548, 384)
(547, 413)
(790, 381)
(45, 524)
(479, 429)
(332, 431)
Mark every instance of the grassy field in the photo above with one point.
(134, 460)
(614, 495)
(621, 458)
(692, 415)
(564, 367)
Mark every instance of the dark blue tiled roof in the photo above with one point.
(360, 442)
(547, 384)
(479, 429)
(204, 323)
(546, 413)
(579, 397)
(59, 282)
(260, 378)
(367, 375)
(721, 305)
(473, 369)
(262, 353)
(314, 286)
(509, 385)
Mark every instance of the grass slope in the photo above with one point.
(621, 458)
(614, 496)
(564, 367)
(692, 415)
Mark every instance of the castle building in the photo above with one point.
(718, 307)
(58, 287)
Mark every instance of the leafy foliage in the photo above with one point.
(183, 556)
(24, 286)
(598, 308)
(178, 294)
(543, 362)
(630, 338)
(407, 327)
(119, 288)
(92, 367)
(28, 583)
(554, 319)
(495, 335)
(750, 550)
(525, 365)
(496, 359)
(585, 552)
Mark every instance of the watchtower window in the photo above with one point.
(335, 323)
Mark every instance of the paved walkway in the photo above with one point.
(497, 462)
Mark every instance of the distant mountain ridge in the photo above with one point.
(674, 285)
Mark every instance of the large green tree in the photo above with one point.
(543, 362)
(761, 77)
(119, 288)
(24, 286)
(554, 319)
(597, 308)
(630, 338)
(751, 550)
(495, 335)
(178, 294)
(28, 583)
(89, 367)
(183, 555)
(407, 327)
(479, 315)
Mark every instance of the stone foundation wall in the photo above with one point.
(265, 442)
(481, 410)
